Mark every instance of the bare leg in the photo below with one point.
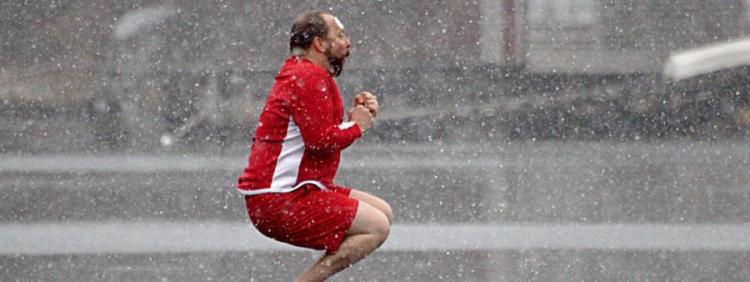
(368, 231)
(374, 201)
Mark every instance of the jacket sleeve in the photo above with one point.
(311, 104)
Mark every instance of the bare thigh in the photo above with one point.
(373, 201)
(369, 220)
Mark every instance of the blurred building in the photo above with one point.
(156, 57)
(66, 43)
(607, 36)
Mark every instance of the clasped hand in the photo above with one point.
(365, 110)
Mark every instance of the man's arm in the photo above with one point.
(312, 111)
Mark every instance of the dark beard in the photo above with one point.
(337, 64)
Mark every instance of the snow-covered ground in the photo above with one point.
(464, 212)
(76, 238)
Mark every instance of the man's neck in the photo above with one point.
(314, 57)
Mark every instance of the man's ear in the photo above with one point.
(319, 44)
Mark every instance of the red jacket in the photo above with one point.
(301, 133)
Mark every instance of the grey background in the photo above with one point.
(518, 140)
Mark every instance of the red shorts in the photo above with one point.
(307, 217)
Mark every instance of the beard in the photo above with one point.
(337, 63)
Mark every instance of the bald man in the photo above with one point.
(288, 183)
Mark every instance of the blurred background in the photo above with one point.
(518, 139)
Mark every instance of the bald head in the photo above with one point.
(320, 37)
(306, 27)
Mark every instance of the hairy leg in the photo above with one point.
(374, 201)
(369, 230)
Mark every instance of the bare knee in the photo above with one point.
(388, 211)
(381, 229)
(373, 222)
(378, 203)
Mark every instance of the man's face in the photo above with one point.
(338, 44)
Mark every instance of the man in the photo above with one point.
(288, 184)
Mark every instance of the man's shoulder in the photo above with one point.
(310, 71)
(307, 78)
(301, 67)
